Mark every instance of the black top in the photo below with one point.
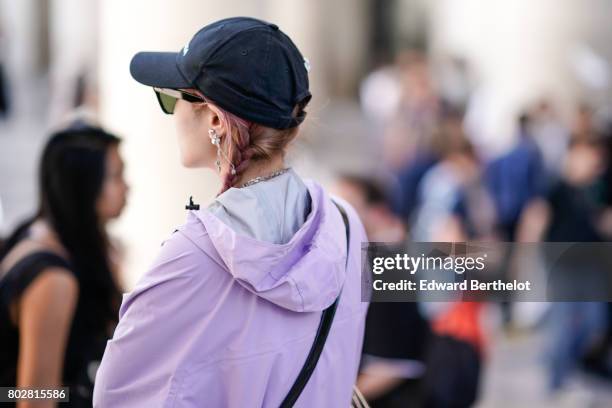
(85, 346)
(573, 210)
(395, 331)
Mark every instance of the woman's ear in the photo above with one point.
(215, 122)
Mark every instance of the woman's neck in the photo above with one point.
(259, 169)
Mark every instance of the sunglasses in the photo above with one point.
(167, 98)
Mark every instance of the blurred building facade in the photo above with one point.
(517, 51)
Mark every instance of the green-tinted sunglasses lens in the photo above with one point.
(166, 102)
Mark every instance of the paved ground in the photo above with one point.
(515, 377)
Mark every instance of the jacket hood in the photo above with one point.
(304, 275)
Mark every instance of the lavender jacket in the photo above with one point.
(225, 320)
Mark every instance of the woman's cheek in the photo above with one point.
(112, 200)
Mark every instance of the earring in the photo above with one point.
(215, 140)
(214, 137)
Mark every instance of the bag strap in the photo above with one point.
(324, 326)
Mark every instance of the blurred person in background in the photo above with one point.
(409, 128)
(552, 138)
(453, 205)
(571, 212)
(599, 359)
(410, 359)
(370, 200)
(59, 272)
(455, 78)
(380, 94)
(406, 195)
(583, 124)
(515, 179)
(396, 336)
(231, 308)
(405, 198)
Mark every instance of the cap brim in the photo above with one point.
(158, 69)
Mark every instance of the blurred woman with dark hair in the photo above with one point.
(59, 296)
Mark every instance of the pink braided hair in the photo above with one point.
(248, 141)
(237, 145)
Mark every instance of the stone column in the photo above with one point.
(73, 49)
(22, 36)
(520, 49)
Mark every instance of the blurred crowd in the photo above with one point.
(442, 181)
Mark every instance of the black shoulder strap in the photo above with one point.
(324, 326)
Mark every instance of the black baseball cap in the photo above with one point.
(248, 67)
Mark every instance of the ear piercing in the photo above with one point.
(215, 139)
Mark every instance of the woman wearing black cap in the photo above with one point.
(237, 309)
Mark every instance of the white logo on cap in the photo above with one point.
(185, 49)
(307, 64)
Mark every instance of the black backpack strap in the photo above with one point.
(324, 326)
